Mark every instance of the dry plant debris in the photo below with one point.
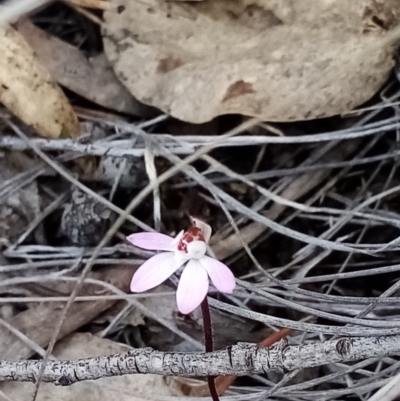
(37, 322)
(18, 209)
(277, 60)
(84, 220)
(125, 388)
(92, 78)
(28, 90)
(305, 213)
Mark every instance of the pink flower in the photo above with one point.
(189, 249)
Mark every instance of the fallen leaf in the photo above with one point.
(91, 78)
(28, 91)
(123, 388)
(277, 60)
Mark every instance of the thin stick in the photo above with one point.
(224, 382)
(240, 360)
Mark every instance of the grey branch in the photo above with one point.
(239, 360)
(186, 145)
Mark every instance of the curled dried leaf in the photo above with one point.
(277, 60)
(91, 78)
(28, 90)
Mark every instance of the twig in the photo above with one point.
(188, 144)
(389, 392)
(303, 326)
(224, 382)
(239, 360)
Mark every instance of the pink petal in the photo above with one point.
(204, 227)
(192, 288)
(154, 271)
(152, 241)
(220, 274)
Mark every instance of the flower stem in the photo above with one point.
(205, 310)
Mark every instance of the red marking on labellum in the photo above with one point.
(190, 235)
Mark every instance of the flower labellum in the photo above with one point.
(187, 249)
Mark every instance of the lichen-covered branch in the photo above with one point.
(239, 360)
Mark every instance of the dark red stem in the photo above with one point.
(207, 327)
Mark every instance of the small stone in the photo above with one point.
(85, 220)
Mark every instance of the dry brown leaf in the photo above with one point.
(124, 388)
(91, 78)
(27, 89)
(278, 60)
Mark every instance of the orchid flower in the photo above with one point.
(187, 249)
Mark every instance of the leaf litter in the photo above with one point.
(305, 212)
(275, 60)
